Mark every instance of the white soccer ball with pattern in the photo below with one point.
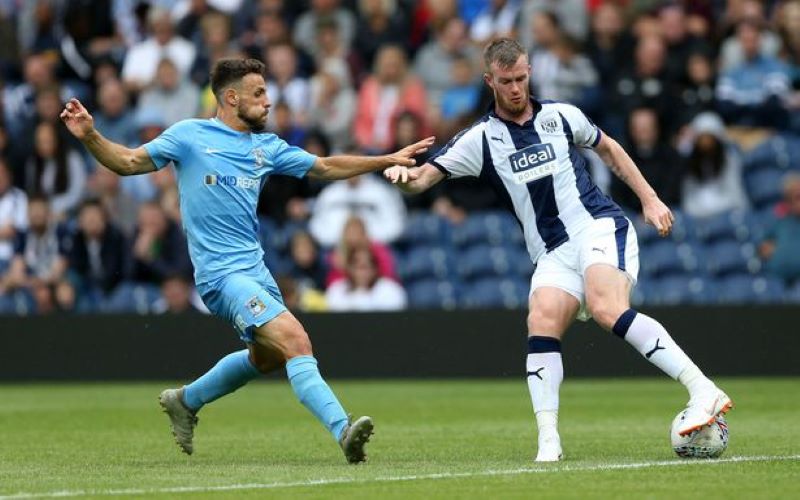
(708, 442)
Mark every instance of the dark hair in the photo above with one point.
(230, 70)
(60, 157)
(503, 51)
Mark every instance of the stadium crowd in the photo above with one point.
(704, 94)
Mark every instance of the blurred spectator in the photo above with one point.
(104, 185)
(646, 84)
(333, 103)
(308, 265)
(115, 119)
(299, 298)
(433, 63)
(178, 297)
(363, 289)
(732, 52)
(680, 43)
(753, 92)
(149, 123)
(38, 22)
(331, 51)
(306, 24)
(175, 95)
(780, 246)
(97, 256)
(657, 160)
(697, 93)
(90, 34)
(354, 235)
(572, 15)
(562, 73)
(269, 28)
(216, 44)
(609, 43)
(497, 20)
(13, 215)
(788, 20)
(55, 170)
(546, 32)
(460, 99)
(713, 183)
(367, 196)
(391, 90)
(159, 247)
(39, 264)
(379, 23)
(9, 49)
(284, 84)
(141, 61)
(284, 126)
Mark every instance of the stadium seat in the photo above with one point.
(746, 289)
(793, 293)
(730, 257)
(425, 262)
(667, 257)
(17, 303)
(131, 297)
(424, 228)
(483, 260)
(492, 292)
(492, 228)
(764, 187)
(682, 289)
(433, 294)
(779, 151)
(734, 225)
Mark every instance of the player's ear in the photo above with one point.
(487, 77)
(231, 97)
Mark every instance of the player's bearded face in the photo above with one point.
(511, 86)
(252, 104)
(255, 116)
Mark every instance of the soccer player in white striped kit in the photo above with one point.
(584, 248)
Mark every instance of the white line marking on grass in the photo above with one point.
(393, 479)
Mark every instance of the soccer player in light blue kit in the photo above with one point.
(222, 164)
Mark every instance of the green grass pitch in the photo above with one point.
(434, 439)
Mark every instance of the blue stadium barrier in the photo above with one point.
(433, 294)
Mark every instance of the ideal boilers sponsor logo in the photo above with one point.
(533, 162)
(232, 181)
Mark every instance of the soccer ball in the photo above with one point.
(708, 442)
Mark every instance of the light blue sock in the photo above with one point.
(230, 373)
(315, 394)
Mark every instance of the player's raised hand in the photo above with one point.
(400, 174)
(405, 157)
(79, 122)
(658, 215)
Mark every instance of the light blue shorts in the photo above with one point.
(246, 299)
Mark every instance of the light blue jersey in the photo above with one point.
(220, 174)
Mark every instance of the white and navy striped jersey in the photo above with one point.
(536, 169)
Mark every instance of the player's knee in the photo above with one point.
(543, 318)
(297, 343)
(603, 313)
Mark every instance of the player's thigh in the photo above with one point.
(608, 291)
(551, 311)
(283, 336)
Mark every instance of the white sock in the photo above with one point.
(653, 342)
(545, 373)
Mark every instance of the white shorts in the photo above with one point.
(608, 240)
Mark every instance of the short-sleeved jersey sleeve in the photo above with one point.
(170, 145)
(291, 160)
(463, 155)
(585, 134)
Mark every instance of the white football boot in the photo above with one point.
(549, 445)
(703, 409)
(181, 419)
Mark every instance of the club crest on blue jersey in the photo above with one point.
(256, 306)
(260, 157)
(534, 162)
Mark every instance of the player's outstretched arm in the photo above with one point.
(654, 210)
(116, 157)
(343, 167)
(414, 180)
